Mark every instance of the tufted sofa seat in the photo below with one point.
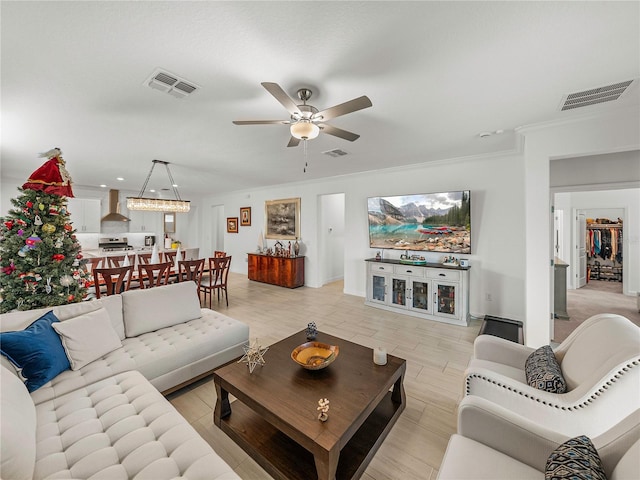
(108, 419)
(600, 362)
(118, 428)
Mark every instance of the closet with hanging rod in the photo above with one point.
(604, 250)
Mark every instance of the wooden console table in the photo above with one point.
(283, 271)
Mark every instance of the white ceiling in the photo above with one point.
(438, 74)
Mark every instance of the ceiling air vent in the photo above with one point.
(171, 84)
(595, 96)
(336, 153)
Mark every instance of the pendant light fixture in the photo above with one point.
(159, 204)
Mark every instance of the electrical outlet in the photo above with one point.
(487, 297)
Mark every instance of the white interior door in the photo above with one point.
(581, 248)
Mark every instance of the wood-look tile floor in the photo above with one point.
(436, 353)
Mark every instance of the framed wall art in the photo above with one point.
(245, 216)
(232, 224)
(282, 219)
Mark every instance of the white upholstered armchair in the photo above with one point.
(494, 443)
(600, 362)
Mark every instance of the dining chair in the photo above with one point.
(216, 278)
(191, 270)
(171, 256)
(114, 280)
(219, 254)
(118, 261)
(144, 258)
(93, 263)
(153, 274)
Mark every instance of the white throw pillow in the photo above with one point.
(87, 337)
(150, 309)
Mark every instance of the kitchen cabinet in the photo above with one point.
(141, 221)
(433, 292)
(85, 214)
(282, 271)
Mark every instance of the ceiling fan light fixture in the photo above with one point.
(304, 130)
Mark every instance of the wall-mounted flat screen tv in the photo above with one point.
(430, 222)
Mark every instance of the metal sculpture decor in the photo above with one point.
(253, 355)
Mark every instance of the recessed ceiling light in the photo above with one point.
(120, 179)
(103, 185)
(152, 190)
(175, 185)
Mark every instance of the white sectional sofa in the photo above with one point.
(107, 419)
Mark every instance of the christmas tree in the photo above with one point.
(40, 256)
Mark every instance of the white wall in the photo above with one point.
(614, 131)
(496, 184)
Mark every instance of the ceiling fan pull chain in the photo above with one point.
(306, 163)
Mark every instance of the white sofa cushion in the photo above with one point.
(17, 427)
(112, 363)
(22, 319)
(120, 428)
(172, 348)
(150, 309)
(87, 337)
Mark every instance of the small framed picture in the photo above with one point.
(245, 216)
(232, 224)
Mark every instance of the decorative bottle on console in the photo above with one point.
(296, 248)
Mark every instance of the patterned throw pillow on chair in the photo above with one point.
(575, 459)
(543, 371)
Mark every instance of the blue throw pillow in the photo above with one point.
(37, 350)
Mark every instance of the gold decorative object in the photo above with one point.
(323, 408)
(253, 355)
(315, 355)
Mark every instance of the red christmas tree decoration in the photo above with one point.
(52, 177)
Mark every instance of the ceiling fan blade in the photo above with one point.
(260, 122)
(338, 132)
(344, 108)
(293, 142)
(286, 101)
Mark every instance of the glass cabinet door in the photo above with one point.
(379, 286)
(446, 304)
(399, 291)
(420, 296)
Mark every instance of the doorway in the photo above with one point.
(589, 293)
(331, 237)
(218, 226)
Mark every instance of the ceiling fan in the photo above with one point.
(306, 121)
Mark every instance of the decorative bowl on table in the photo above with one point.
(314, 355)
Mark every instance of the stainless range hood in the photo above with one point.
(114, 214)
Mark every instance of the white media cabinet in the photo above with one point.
(432, 291)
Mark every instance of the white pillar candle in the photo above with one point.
(379, 356)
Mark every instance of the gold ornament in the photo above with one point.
(48, 228)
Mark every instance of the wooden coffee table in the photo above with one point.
(276, 422)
